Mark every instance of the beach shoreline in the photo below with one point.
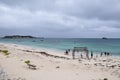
(53, 65)
(62, 44)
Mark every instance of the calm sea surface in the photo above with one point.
(93, 44)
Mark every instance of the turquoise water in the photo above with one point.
(93, 44)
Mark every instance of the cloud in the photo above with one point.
(60, 17)
(18, 17)
(106, 29)
(103, 10)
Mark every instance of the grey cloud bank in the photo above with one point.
(60, 18)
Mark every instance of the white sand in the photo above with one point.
(15, 68)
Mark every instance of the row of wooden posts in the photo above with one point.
(86, 52)
(80, 49)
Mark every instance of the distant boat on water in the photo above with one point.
(104, 38)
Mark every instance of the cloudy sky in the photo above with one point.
(60, 18)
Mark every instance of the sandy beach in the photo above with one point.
(54, 65)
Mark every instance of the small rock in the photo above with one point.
(58, 67)
(105, 79)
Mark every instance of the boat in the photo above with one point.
(104, 38)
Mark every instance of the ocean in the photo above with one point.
(96, 45)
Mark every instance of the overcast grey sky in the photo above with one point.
(60, 18)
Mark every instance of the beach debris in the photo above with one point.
(19, 78)
(57, 67)
(5, 52)
(105, 79)
(46, 54)
(27, 62)
(31, 66)
(27, 50)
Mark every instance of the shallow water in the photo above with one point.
(93, 44)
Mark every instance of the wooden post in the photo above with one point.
(73, 54)
(87, 54)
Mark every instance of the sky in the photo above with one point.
(60, 18)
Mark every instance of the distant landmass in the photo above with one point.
(18, 36)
